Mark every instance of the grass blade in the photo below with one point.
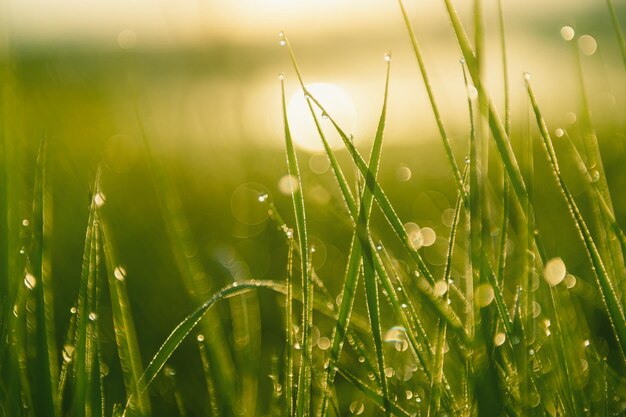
(44, 369)
(303, 402)
(605, 285)
(125, 334)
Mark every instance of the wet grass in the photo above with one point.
(509, 303)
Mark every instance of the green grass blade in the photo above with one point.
(371, 287)
(125, 334)
(605, 285)
(208, 377)
(431, 97)
(618, 30)
(289, 333)
(303, 402)
(44, 369)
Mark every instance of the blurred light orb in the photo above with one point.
(568, 33)
(288, 184)
(339, 106)
(127, 39)
(587, 45)
(554, 271)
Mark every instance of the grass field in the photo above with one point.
(162, 255)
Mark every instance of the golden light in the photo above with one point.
(339, 106)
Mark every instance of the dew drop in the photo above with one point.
(499, 339)
(586, 343)
(472, 92)
(527, 76)
(68, 353)
(30, 281)
(73, 310)
(281, 76)
(462, 61)
(357, 407)
(200, 338)
(467, 160)
(99, 199)
(169, 371)
(93, 316)
(263, 197)
(595, 175)
(387, 57)
(119, 273)
(25, 223)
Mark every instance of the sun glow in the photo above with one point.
(339, 105)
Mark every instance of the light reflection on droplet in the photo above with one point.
(554, 271)
(30, 281)
(119, 273)
(472, 92)
(499, 339)
(68, 352)
(93, 316)
(357, 407)
(397, 336)
(25, 223)
(200, 338)
(99, 199)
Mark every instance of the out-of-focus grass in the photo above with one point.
(172, 224)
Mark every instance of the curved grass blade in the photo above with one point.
(609, 297)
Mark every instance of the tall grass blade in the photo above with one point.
(303, 402)
(431, 97)
(208, 377)
(125, 334)
(44, 368)
(621, 41)
(611, 303)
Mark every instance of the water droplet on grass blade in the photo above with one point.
(119, 273)
(93, 316)
(25, 223)
(263, 197)
(30, 281)
(499, 339)
(200, 338)
(68, 352)
(99, 199)
(387, 57)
